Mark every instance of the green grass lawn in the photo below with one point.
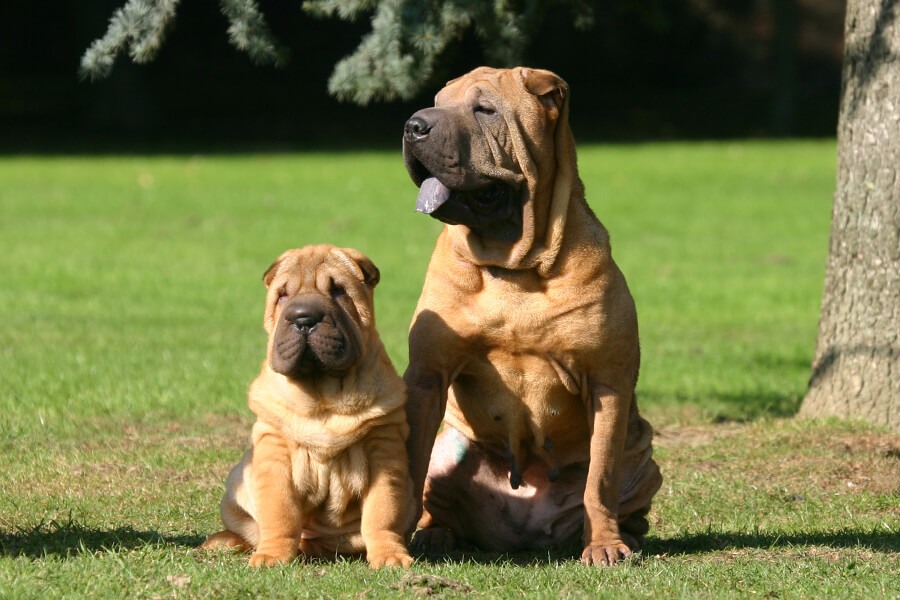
(131, 324)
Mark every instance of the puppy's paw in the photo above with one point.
(605, 554)
(273, 552)
(260, 559)
(433, 540)
(389, 557)
(226, 539)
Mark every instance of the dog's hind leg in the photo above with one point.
(227, 539)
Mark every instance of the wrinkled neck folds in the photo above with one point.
(548, 188)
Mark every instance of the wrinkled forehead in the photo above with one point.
(315, 265)
(457, 89)
(299, 264)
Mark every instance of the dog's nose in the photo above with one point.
(416, 129)
(303, 315)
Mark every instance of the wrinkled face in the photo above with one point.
(318, 310)
(473, 153)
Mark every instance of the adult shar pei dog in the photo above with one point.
(327, 472)
(525, 338)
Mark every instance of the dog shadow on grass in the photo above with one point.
(70, 538)
(878, 541)
(690, 545)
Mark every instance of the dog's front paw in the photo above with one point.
(273, 551)
(260, 559)
(433, 540)
(389, 557)
(605, 554)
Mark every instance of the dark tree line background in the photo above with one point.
(647, 69)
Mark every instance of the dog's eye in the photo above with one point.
(485, 110)
(337, 290)
(282, 296)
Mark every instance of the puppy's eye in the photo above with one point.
(337, 290)
(282, 296)
(485, 109)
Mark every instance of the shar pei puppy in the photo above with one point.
(327, 472)
(525, 339)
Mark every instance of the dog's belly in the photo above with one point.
(329, 492)
(517, 406)
(468, 492)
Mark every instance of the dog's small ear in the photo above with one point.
(269, 275)
(370, 273)
(547, 86)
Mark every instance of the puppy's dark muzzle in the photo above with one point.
(312, 337)
(416, 129)
(303, 315)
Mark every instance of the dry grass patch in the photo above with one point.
(743, 507)
(789, 455)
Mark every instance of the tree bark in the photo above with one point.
(856, 368)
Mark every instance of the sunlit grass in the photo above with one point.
(130, 327)
(132, 285)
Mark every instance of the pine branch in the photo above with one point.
(140, 26)
(346, 10)
(503, 33)
(583, 12)
(398, 57)
(395, 60)
(248, 31)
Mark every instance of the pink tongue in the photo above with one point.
(432, 193)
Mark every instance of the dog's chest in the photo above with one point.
(521, 384)
(521, 401)
(555, 321)
(331, 485)
(527, 346)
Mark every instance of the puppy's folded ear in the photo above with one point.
(269, 275)
(368, 271)
(548, 86)
(371, 273)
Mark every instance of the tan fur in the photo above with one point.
(327, 471)
(515, 343)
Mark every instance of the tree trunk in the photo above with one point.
(856, 369)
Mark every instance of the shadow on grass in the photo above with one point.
(71, 538)
(879, 541)
(690, 545)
